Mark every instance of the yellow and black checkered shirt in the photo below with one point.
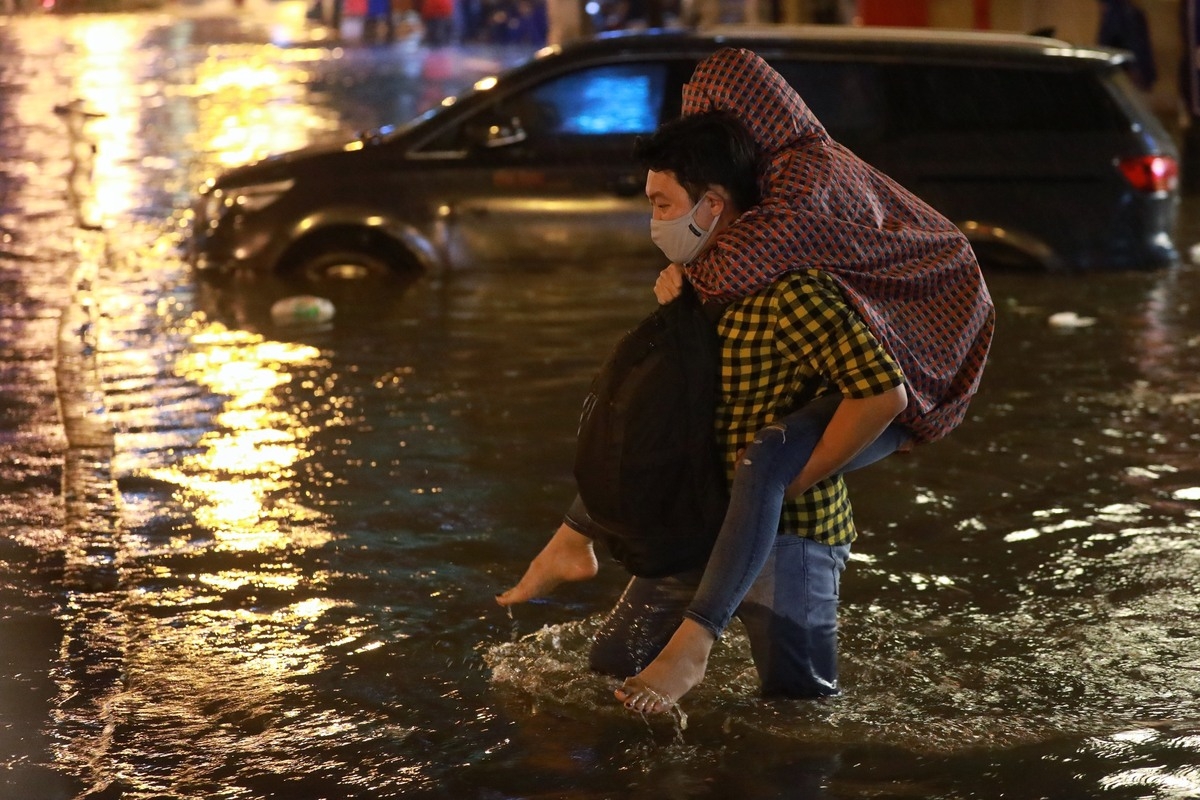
(772, 345)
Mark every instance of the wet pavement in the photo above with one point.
(241, 560)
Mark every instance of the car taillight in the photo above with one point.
(1151, 173)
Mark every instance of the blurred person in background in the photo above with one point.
(379, 23)
(1123, 25)
(438, 18)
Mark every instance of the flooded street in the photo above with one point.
(241, 560)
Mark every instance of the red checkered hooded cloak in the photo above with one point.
(903, 266)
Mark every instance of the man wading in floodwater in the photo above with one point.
(839, 279)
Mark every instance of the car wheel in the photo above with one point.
(340, 266)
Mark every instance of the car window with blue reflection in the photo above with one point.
(602, 106)
(602, 101)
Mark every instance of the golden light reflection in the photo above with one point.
(251, 133)
(251, 107)
(211, 663)
(231, 580)
(311, 608)
(104, 86)
(236, 482)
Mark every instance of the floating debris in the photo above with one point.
(1069, 319)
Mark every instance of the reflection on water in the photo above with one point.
(268, 567)
(253, 454)
(1178, 779)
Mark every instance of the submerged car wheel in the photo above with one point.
(339, 265)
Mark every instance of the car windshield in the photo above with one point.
(481, 86)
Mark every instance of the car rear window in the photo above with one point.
(944, 98)
(860, 102)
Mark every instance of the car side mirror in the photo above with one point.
(504, 134)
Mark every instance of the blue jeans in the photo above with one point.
(790, 615)
(775, 457)
(784, 588)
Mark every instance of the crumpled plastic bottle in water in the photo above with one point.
(302, 309)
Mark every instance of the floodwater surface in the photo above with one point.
(239, 560)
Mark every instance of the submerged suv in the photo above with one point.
(1040, 151)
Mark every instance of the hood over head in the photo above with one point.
(907, 270)
(741, 83)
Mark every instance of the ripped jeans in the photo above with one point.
(784, 589)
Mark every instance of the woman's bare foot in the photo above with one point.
(568, 556)
(677, 669)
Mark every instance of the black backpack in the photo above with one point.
(647, 464)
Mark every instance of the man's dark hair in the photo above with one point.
(704, 150)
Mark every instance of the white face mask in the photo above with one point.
(681, 239)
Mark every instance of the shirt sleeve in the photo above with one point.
(817, 328)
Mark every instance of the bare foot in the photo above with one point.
(677, 669)
(568, 556)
